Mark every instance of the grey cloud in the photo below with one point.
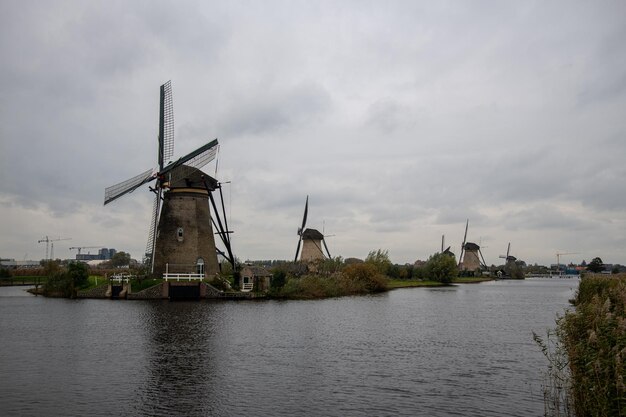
(272, 110)
(399, 120)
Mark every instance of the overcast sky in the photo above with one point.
(400, 120)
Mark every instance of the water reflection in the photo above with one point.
(181, 360)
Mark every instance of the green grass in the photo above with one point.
(470, 280)
(25, 280)
(410, 283)
(93, 281)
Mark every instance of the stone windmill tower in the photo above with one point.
(311, 240)
(471, 257)
(181, 238)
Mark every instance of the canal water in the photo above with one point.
(465, 350)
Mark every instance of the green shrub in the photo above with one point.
(380, 259)
(279, 278)
(362, 278)
(441, 267)
(310, 286)
(59, 284)
(65, 282)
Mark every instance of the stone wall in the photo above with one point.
(96, 292)
(153, 293)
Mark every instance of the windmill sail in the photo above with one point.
(301, 229)
(326, 247)
(116, 191)
(153, 226)
(463, 244)
(192, 161)
(166, 125)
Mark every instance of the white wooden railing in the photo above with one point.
(181, 276)
(184, 277)
(121, 277)
(247, 286)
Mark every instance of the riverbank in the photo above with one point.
(592, 344)
(413, 283)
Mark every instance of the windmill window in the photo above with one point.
(179, 234)
(200, 266)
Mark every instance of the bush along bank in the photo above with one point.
(352, 280)
(594, 339)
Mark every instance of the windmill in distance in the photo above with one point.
(311, 241)
(181, 233)
(471, 258)
(508, 258)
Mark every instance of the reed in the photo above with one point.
(591, 341)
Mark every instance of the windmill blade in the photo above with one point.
(116, 191)
(508, 249)
(306, 210)
(166, 125)
(196, 159)
(465, 235)
(482, 257)
(153, 227)
(464, 241)
(297, 250)
(326, 247)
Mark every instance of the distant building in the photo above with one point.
(11, 263)
(103, 254)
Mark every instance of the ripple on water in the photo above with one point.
(465, 350)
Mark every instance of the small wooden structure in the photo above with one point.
(255, 278)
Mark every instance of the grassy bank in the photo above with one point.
(23, 280)
(411, 283)
(593, 339)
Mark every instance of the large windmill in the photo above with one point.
(181, 238)
(311, 241)
(471, 257)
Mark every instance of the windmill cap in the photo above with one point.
(312, 234)
(471, 246)
(186, 176)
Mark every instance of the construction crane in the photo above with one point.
(558, 258)
(50, 244)
(85, 247)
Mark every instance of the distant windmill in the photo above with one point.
(311, 240)
(508, 258)
(471, 257)
(443, 244)
(181, 236)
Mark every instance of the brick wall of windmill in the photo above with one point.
(187, 213)
(471, 262)
(311, 250)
